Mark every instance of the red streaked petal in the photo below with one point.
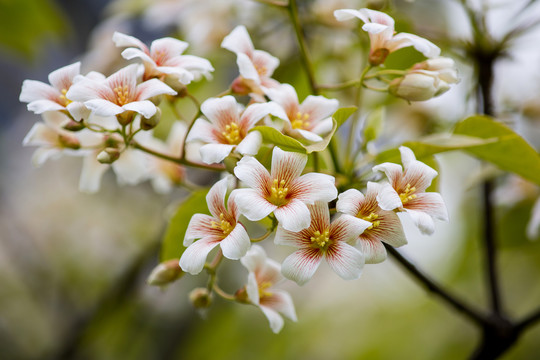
(200, 226)
(301, 265)
(349, 202)
(373, 250)
(287, 165)
(345, 260)
(252, 205)
(253, 174)
(431, 203)
(347, 228)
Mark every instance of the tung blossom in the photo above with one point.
(406, 191)
(323, 239)
(221, 228)
(164, 58)
(385, 225)
(119, 93)
(282, 190)
(380, 28)
(310, 120)
(264, 273)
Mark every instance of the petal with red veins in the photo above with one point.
(313, 187)
(349, 202)
(287, 165)
(252, 205)
(200, 225)
(221, 111)
(373, 250)
(194, 257)
(215, 199)
(347, 228)
(393, 172)
(254, 113)
(253, 174)
(296, 239)
(215, 153)
(388, 198)
(282, 302)
(431, 203)
(301, 265)
(318, 107)
(285, 95)
(345, 260)
(62, 79)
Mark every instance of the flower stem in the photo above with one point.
(177, 160)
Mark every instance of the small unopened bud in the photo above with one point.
(230, 163)
(69, 142)
(241, 296)
(74, 126)
(444, 67)
(417, 86)
(378, 56)
(165, 273)
(241, 86)
(148, 124)
(176, 85)
(108, 155)
(126, 117)
(200, 298)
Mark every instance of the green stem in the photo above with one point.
(342, 86)
(180, 161)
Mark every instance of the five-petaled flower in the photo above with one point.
(282, 191)
(164, 58)
(264, 273)
(221, 228)
(406, 191)
(309, 120)
(228, 127)
(119, 93)
(323, 239)
(385, 225)
(380, 27)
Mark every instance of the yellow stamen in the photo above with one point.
(372, 218)
(301, 121)
(278, 193)
(232, 133)
(407, 194)
(261, 70)
(263, 289)
(65, 101)
(224, 225)
(319, 239)
(122, 94)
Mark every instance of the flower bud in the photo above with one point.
(148, 124)
(230, 163)
(444, 67)
(165, 273)
(242, 296)
(69, 142)
(108, 155)
(200, 298)
(241, 86)
(417, 86)
(378, 56)
(74, 126)
(126, 117)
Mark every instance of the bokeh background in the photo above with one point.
(73, 266)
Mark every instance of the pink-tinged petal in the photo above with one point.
(275, 320)
(388, 198)
(393, 172)
(378, 17)
(166, 48)
(33, 90)
(200, 225)
(125, 77)
(373, 250)
(236, 244)
(424, 46)
(182, 75)
(423, 221)
(87, 89)
(252, 205)
(313, 187)
(301, 265)
(318, 107)
(252, 288)
(202, 130)
(431, 203)
(345, 260)
(103, 107)
(194, 257)
(238, 41)
(62, 79)
(282, 302)
(349, 202)
(323, 127)
(133, 53)
(294, 216)
(264, 63)
(308, 135)
(296, 239)
(41, 106)
(347, 228)
(287, 165)
(251, 144)
(215, 153)
(254, 259)
(123, 40)
(419, 175)
(389, 230)
(253, 174)
(78, 110)
(285, 95)
(247, 69)
(221, 111)
(215, 199)
(254, 113)
(320, 215)
(91, 174)
(381, 32)
(41, 135)
(152, 87)
(348, 14)
(145, 107)
(41, 155)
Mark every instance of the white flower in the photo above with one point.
(119, 93)
(256, 66)
(385, 225)
(228, 128)
(221, 228)
(323, 239)
(406, 191)
(164, 58)
(310, 120)
(380, 27)
(264, 273)
(282, 191)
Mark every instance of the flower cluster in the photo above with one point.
(264, 144)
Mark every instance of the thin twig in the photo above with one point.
(529, 320)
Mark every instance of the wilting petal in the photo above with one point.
(200, 225)
(215, 153)
(287, 165)
(251, 144)
(252, 173)
(313, 187)
(345, 260)
(431, 203)
(252, 205)
(388, 198)
(423, 221)
(294, 216)
(236, 244)
(301, 265)
(349, 202)
(194, 257)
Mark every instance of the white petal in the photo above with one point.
(287, 165)
(133, 53)
(373, 250)
(221, 111)
(78, 110)
(423, 221)
(251, 144)
(309, 136)
(282, 302)
(348, 14)
(151, 88)
(132, 167)
(345, 260)
(349, 202)
(91, 174)
(33, 90)
(288, 238)
(275, 320)
(62, 78)
(171, 47)
(318, 107)
(41, 155)
(194, 257)
(146, 108)
(41, 106)
(236, 244)
(424, 46)
(313, 187)
(419, 175)
(431, 203)
(254, 258)
(301, 265)
(265, 63)
(393, 171)
(215, 153)
(323, 127)
(284, 95)
(202, 130)
(294, 216)
(252, 205)
(200, 225)
(254, 113)
(247, 69)
(347, 228)
(238, 41)
(215, 199)
(123, 40)
(252, 173)
(103, 107)
(252, 288)
(388, 198)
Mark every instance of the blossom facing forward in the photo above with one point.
(221, 228)
(385, 225)
(282, 190)
(264, 273)
(323, 239)
(406, 191)
(380, 28)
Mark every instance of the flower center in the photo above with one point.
(407, 194)
(224, 225)
(232, 133)
(261, 70)
(300, 122)
(278, 193)
(321, 240)
(122, 94)
(372, 218)
(263, 289)
(63, 99)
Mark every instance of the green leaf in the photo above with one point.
(172, 247)
(374, 124)
(509, 151)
